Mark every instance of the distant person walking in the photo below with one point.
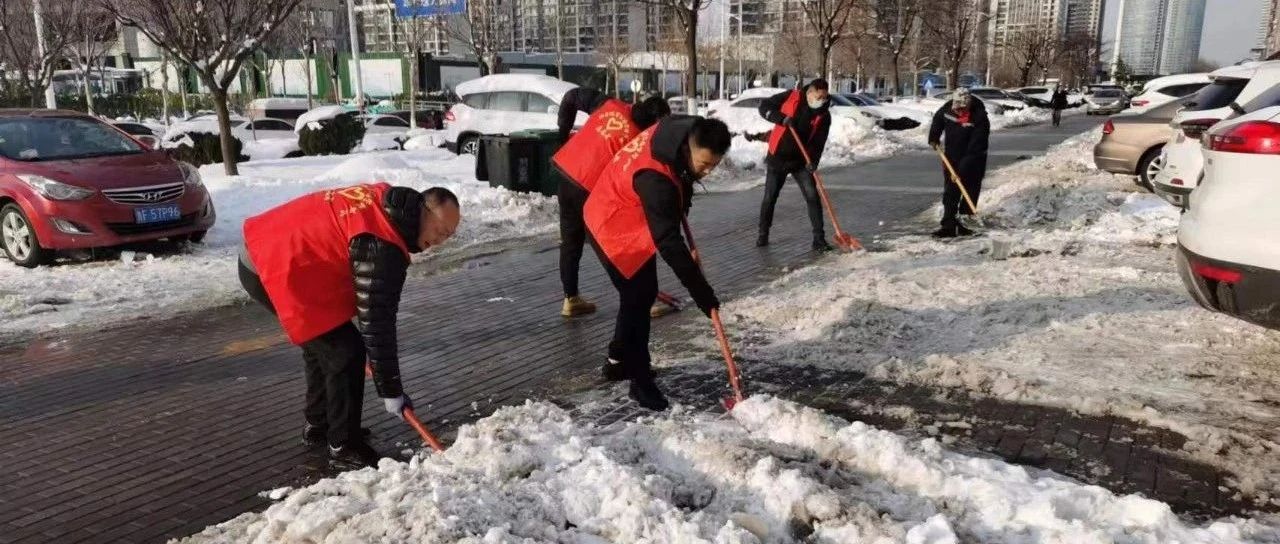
(1058, 103)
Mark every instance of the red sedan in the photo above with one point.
(69, 181)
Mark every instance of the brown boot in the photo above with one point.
(576, 306)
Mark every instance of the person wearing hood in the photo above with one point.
(323, 259)
(807, 111)
(1058, 102)
(634, 214)
(611, 123)
(961, 126)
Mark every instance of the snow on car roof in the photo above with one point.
(1176, 79)
(321, 113)
(547, 86)
(761, 92)
(279, 103)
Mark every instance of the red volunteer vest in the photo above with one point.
(789, 109)
(587, 153)
(614, 214)
(301, 251)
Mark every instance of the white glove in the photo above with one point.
(396, 405)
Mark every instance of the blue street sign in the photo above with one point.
(427, 8)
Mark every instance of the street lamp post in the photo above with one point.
(358, 83)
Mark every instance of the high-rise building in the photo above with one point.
(1008, 18)
(1083, 17)
(1180, 44)
(1159, 36)
(1269, 30)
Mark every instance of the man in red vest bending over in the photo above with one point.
(323, 259)
(612, 123)
(808, 112)
(634, 214)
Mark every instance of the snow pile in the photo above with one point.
(380, 141)
(424, 139)
(269, 148)
(779, 473)
(201, 276)
(1089, 315)
(322, 113)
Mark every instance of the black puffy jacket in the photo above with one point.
(379, 269)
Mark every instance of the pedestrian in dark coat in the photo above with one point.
(962, 128)
(1058, 103)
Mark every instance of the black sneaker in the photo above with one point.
(614, 372)
(946, 232)
(647, 395)
(962, 231)
(762, 240)
(314, 435)
(353, 455)
(821, 246)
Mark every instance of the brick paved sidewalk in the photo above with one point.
(155, 430)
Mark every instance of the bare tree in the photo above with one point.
(420, 32)
(1030, 48)
(686, 12)
(828, 19)
(614, 49)
(89, 38)
(1077, 57)
(951, 26)
(214, 38)
(19, 45)
(478, 29)
(895, 22)
(796, 46)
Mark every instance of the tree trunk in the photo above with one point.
(306, 65)
(897, 76)
(164, 88)
(229, 157)
(691, 54)
(87, 71)
(182, 86)
(413, 89)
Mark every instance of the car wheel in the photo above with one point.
(1150, 165)
(469, 145)
(18, 237)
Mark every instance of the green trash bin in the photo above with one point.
(511, 161)
(548, 142)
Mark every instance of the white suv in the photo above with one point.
(1233, 89)
(1229, 252)
(502, 104)
(1163, 90)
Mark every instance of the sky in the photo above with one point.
(1230, 29)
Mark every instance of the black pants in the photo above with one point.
(334, 364)
(773, 180)
(573, 234)
(630, 344)
(952, 200)
(1057, 117)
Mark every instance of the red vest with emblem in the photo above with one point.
(613, 212)
(587, 153)
(789, 109)
(301, 251)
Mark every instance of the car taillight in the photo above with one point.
(1216, 273)
(1193, 128)
(1140, 102)
(1255, 137)
(1108, 127)
(448, 116)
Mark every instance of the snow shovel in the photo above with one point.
(843, 239)
(412, 419)
(721, 337)
(955, 178)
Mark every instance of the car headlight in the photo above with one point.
(190, 174)
(55, 190)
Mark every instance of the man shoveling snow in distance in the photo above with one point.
(325, 258)
(962, 122)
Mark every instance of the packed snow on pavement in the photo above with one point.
(1088, 314)
(204, 275)
(773, 472)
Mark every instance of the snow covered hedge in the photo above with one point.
(201, 148)
(335, 136)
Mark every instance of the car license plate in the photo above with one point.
(157, 214)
